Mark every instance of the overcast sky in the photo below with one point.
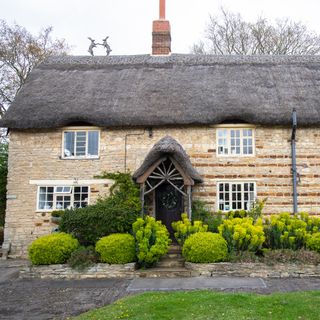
(129, 23)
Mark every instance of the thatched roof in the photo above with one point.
(168, 146)
(168, 90)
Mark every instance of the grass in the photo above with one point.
(211, 305)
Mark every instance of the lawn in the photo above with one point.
(211, 305)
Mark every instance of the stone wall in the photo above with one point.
(36, 155)
(102, 270)
(62, 271)
(255, 270)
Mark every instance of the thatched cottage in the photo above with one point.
(216, 128)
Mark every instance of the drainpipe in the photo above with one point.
(294, 161)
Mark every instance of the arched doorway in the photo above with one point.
(166, 178)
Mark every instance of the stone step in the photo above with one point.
(165, 273)
(173, 255)
(175, 249)
(170, 263)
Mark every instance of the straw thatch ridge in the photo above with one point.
(167, 146)
(119, 91)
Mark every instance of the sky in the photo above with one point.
(128, 23)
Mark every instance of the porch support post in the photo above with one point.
(142, 189)
(189, 199)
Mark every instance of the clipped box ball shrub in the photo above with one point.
(313, 242)
(205, 247)
(52, 249)
(118, 248)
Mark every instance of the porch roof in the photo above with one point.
(168, 146)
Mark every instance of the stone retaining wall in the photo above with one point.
(128, 271)
(62, 271)
(258, 270)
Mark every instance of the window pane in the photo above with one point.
(63, 202)
(93, 141)
(69, 144)
(81, 143)
(41, 205)
(43, 190)
(222, 133)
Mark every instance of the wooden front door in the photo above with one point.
(169, 205)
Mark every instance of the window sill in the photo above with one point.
(79, 158)
(224, 156)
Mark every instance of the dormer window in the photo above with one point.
(80, 144)
(235, 141)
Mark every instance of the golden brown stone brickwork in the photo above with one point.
(35, 155)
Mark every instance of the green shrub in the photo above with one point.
(57, 213)
(52, 249)
(83, 258)
(114, 214)
(313, 222)
(236, 214)
(285, 232)
(205, 247)
(184, 228)
(118, 248)
(242, 234)
(202, 213)
(255, 212)
(152, 240)
(313, 242)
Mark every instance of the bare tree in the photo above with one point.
(20, 52)
(228, 33)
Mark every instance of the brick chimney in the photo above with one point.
(161, 36)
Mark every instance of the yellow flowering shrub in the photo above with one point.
(152, 240)
(284, 231)
(242, 234)
(184, 228)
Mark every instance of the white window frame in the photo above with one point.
(81, 129)
(57, 194)
(229, 127)
(230, 182)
